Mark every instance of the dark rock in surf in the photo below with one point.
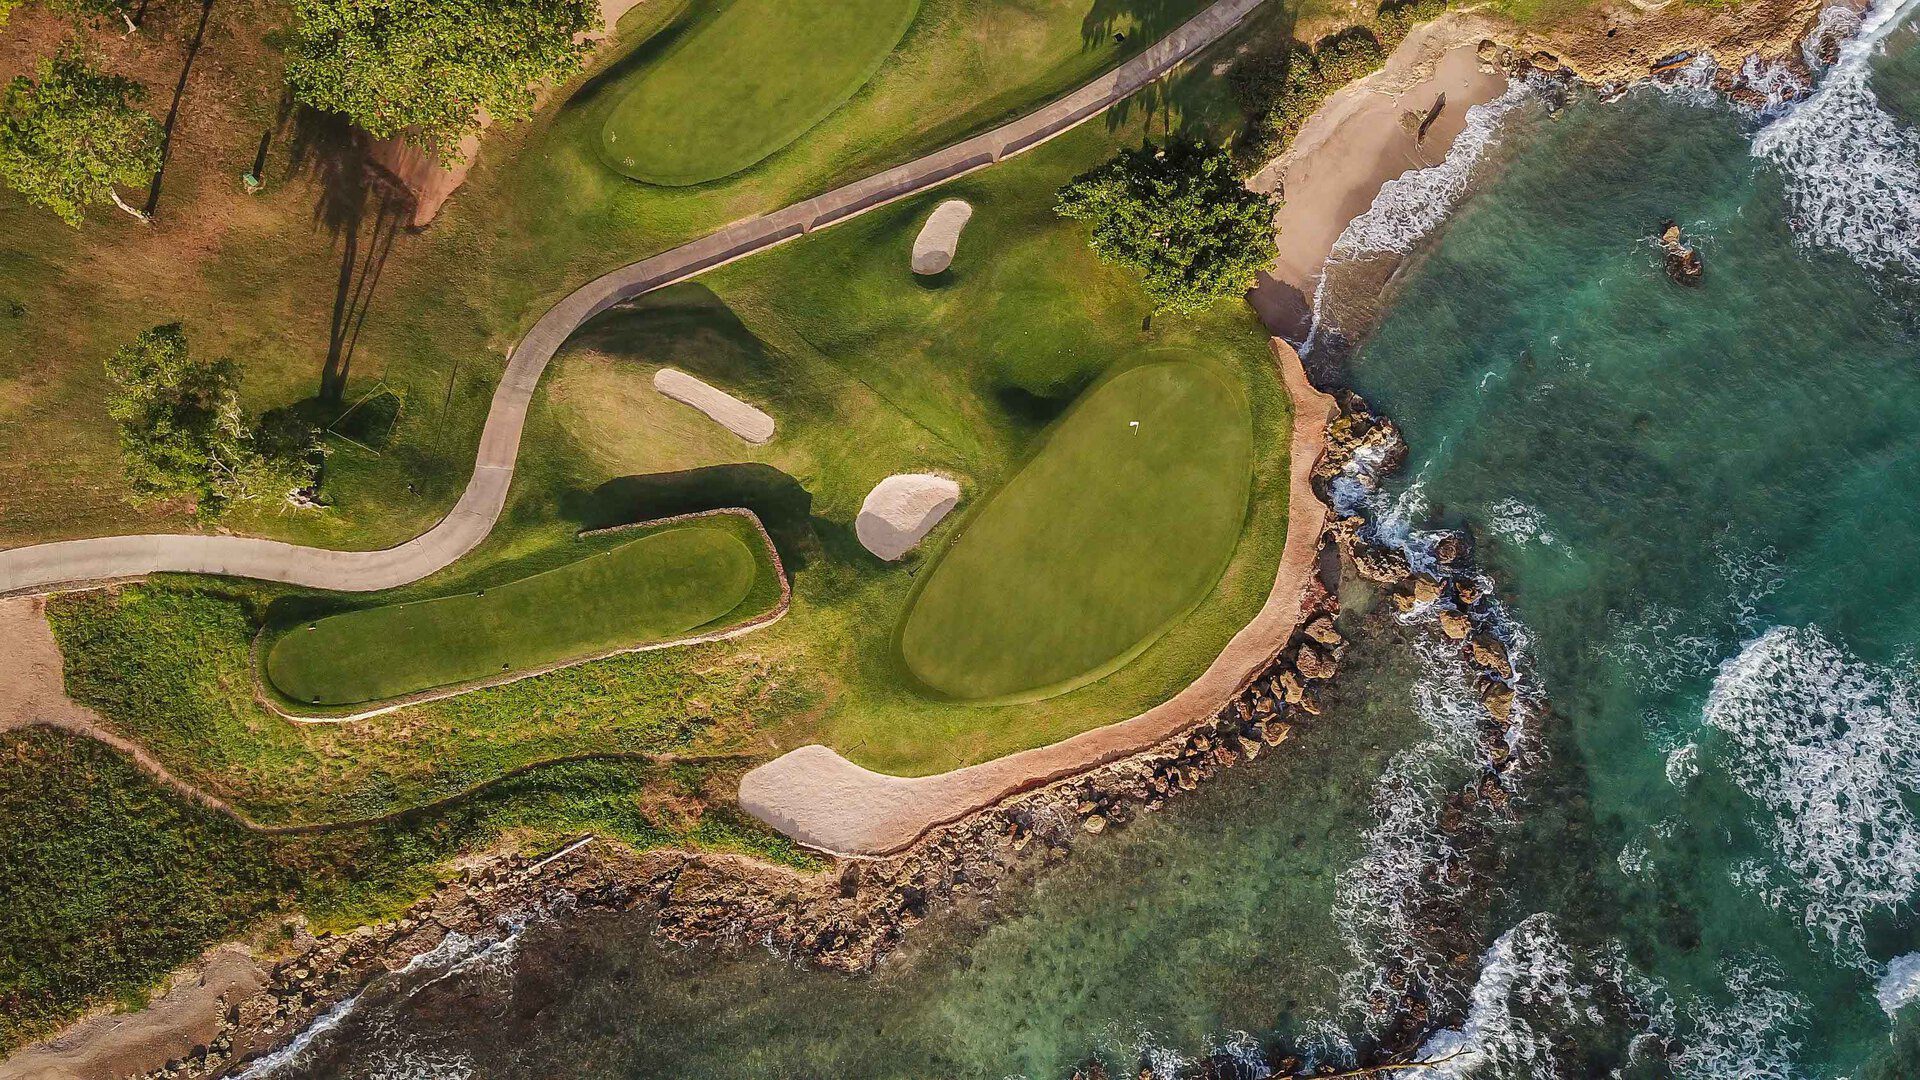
(1682, 261)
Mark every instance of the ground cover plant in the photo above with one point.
(742, 79)
(663, 585)
(111, 880)
(1116, 527)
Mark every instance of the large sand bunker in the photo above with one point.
(933, 249)
(902, 509)
(730, 412)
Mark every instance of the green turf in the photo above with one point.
(735, 85)
(647, 590)
(1105, 538)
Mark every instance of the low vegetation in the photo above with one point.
(110, 880)
(1119, 524)
(663, 585)
(789, 63)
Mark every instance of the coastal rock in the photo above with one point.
(1498, 700)
(1292, 686)
(1425, 589)
(1321, 629)
(1455, 625)
(1490, 653)
(1314, 662)
(1380, 564)
(1453, 549)
(1682, 261)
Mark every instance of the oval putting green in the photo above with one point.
(746, 82)
(1118, 526)
(648, 590)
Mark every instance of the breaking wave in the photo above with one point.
(1829, 747)
(1852, 171)
(1527, 988)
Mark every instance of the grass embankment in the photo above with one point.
(743, 79)
(110, 880)
(323, 301)
(664, 585)
(1121, 522)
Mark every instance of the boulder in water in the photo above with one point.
(1682, 261)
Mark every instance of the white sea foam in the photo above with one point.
(1828, 747)
(1901, 983)
(1518, 522)
(1526, 988)
(1747, 1032)
(1377, 897)
(455, 954)
(1852, 171)
(1413, 204)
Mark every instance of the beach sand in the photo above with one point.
(1363, 136)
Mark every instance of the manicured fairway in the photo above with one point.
(746, 82)
(651, 589)
(1104, 539)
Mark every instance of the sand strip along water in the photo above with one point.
(1366, 134)
(901, 510)
(939, 238)
(827, 802)
(723, 408)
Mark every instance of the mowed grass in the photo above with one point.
(742, 80)
(648, 590)
(1117, 527)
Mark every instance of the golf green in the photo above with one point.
(738, 85)
(1118, 526)
(647, 590)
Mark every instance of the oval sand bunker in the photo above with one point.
(933, 249)
(902, 509)
(728, 411)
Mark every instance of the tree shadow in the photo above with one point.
(783, 506)
(173, 110)
(361, 206)
(1124, 22)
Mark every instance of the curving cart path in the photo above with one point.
(46, 567)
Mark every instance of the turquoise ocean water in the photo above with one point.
(1702, 507)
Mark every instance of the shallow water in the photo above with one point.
(1700, 506)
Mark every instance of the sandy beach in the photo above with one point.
(1366, 134)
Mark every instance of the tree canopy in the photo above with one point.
(70, 134)
(1181, 217)
(430, 67)
(183, 434)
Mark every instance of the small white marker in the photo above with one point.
(1135, 425)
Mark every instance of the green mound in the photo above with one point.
(1104, 539)
(652, 589)
(746, 82)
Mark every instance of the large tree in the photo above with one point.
(183, 434)
(1179, 215)
(71, 135)
(430, 67)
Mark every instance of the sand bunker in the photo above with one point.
(730, 412)
(902, 509)
(933, 249)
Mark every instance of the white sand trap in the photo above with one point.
(728, 411)
(933, 249)
(901, 509)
